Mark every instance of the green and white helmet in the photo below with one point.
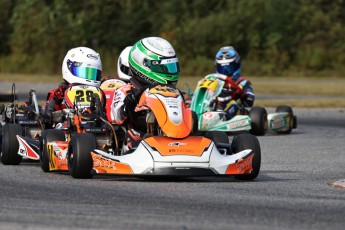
(153, 60)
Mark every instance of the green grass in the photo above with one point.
(328, 92)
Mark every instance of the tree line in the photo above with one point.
(273, 37)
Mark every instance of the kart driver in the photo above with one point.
(123, 71)
(237, 90)
(81, 66)
(152, 61)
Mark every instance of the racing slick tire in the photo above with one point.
(219, 137)
(195, 123)
(10, 144)
(0, 138)
(248, 141)
(293, 120)
(258, 116)
(47, 136)
(80, 162)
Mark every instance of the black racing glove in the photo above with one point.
(130, 102)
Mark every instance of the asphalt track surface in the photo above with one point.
(293, 190)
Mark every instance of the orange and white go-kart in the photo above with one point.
(171, 146)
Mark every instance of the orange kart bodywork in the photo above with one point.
(80, 118)
(173, 117)
(58, 152)
(191, 156)
(171, 146)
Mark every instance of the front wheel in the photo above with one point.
(258, 116)
(244, 141)
(48, 136)
(217, 136)
(10, 144)
(220, 139)
(195, 123)
(80, 162)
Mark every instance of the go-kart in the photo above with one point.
(171, 147)
(22, 121)
(256, 120)
(84, 116)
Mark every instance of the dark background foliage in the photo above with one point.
(273, 37)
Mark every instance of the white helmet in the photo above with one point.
(82, 65)
(122, 64)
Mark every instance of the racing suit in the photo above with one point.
(235, 94)
(54, 103)
(124, 112)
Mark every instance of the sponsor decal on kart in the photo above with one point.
(57, 155)
(208, 115)
(275, 124)
(25, 150)
(181, 151)
(238, 124)
(177, 144)
(195, 145)
(98, 161)
(242, 166)
(165, 91)
(104, 165)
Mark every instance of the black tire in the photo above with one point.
(258, 116)
(248, 141)
(217, 136)
(47, 136)
(286, 109)
(80, 162)
(0, 138)
(10, 144)
(195, 123)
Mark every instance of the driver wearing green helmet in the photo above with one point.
(152, 61)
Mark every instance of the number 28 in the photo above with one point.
(82, 96)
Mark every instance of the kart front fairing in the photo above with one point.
(208, 89)
(206, 92)
(159, 155)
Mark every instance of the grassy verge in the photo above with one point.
(307, 92)
(30, 78)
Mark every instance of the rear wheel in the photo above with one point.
(10, 144)
(80, 162)
(48, 136)
(244, 141)
(287, 109)
(258, 116)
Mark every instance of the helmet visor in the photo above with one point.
(166, 66)
(83, 72)
(227, 69)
